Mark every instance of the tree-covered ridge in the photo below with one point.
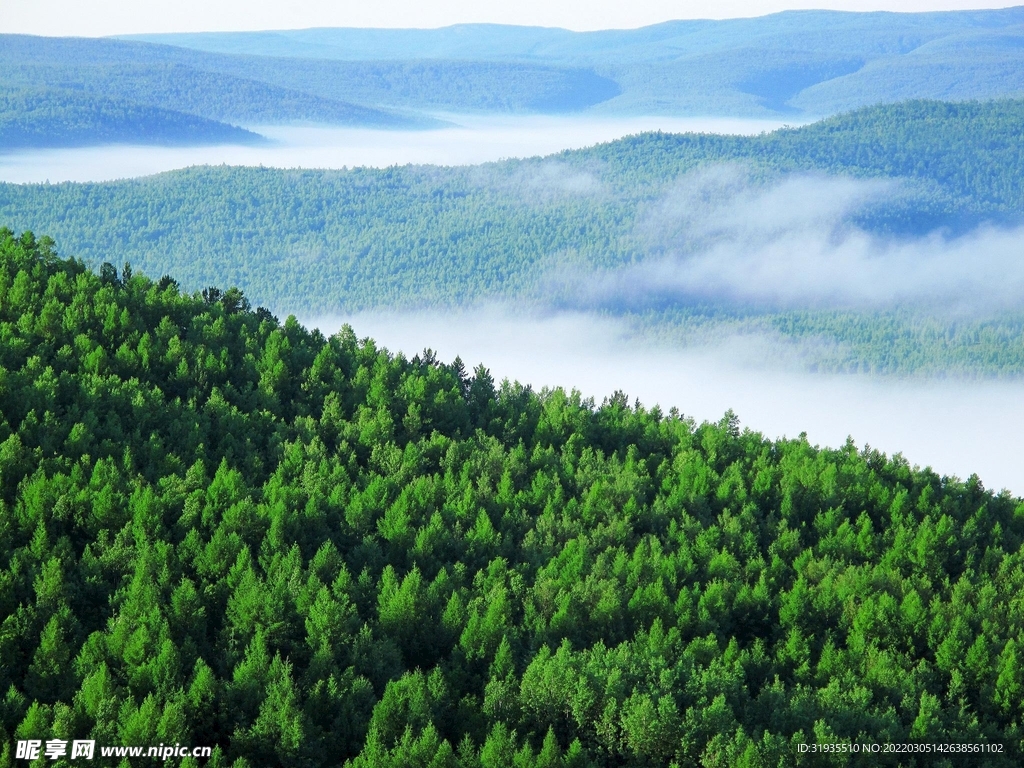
(217, 96)
(419, 236)
(52, 117)
(253, 90)
(454, 86)
(422, 235)
(969, 153)
(219, 529)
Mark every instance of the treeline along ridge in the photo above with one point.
(220, 529)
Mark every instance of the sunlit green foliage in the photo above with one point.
(219, 529)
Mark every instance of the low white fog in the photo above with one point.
(791, 244)
(471, 139)
(956, 428)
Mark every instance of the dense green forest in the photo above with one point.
(417, 236)
(220, 529)
(56, 118)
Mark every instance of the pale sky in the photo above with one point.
(111, 17)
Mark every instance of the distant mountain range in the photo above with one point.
(811, 63)
(800, 64)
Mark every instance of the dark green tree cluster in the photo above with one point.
(217, 529)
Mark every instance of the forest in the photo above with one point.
(50, 117)
(217, 528)
(420, 236)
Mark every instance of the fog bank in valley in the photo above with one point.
(957, 428)
(716, 236)
(470, 139)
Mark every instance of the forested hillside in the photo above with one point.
(55, 118)
(536, 230)
(214, 96)
(133, 93)
(423, 235)
(254, 90)
(967, 156)
(218, 529)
